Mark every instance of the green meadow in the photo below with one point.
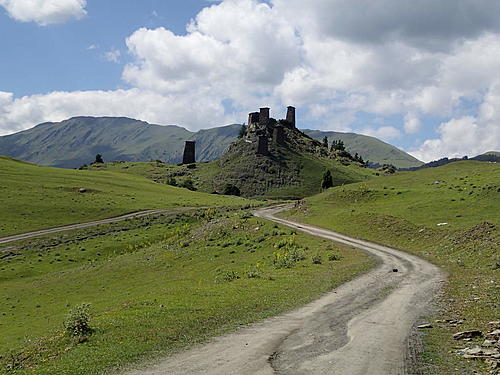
(448, 215)
(156, 285)
(34, 197)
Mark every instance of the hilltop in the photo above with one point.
(76, 141)
(272, 159)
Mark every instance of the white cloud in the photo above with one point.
(412, 123)
(467, 135)
(113, 56)
(45, 12)
(386, 133)
(149, 106)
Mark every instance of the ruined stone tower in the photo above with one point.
(262, 145)
(189, 153)
(278, 135)
(253, 120)
(290, 116)
(264, 116)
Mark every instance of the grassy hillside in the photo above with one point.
(76, 141)
(290, 171)
(156, 285)
(369, 148)
(404, 211)
(34, 197)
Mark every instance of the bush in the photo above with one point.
(231, 189)
(317, 259)
(288, 254)
(226, 276)
(188, 184)
(77, 321)
(333, 257)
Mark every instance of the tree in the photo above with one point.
(337, 145)
(98, 159)
(242, 132)
(325, 142)
(231, 189)
(327, 181)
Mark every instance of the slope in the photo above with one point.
(34, 197)
(448, 215)
(369, 148)
(74, 142)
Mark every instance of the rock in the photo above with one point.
(475, 352)
(495, 335)
(467, 335)
(424, 326)
(488, 343)
(495, 323)
(82, 190)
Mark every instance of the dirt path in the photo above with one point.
(362, 327)
(44, 232)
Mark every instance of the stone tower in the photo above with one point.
(253, 120)
(264, 116)
(189, 153)
(262, 145)
(290, 116)
(278, 135)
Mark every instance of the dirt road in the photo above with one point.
(360, 328)
(65, 228)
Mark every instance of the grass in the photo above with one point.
(156, 285)
(403, 211)
(34, 197)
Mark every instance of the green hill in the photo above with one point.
(34, 197)
(74, 142)
(369, 148)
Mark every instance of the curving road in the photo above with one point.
(363, 327)
(65, 228)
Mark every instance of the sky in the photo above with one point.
(423, 76)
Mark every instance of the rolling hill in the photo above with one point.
(74, 142)
(369, 148)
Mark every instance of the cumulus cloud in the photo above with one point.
(333, 59)
(467, 135)
(45, 12)
(386, 133)
(16, 114)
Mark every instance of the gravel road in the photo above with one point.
(363, 327)
(45, 232)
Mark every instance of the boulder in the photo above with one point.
(467, 335)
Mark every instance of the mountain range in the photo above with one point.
(76, 141)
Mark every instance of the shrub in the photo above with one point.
(317, 259)
(231, 189)
(77, 321)
(288, 254)
(226, 276)
(334, 256)
(188, 184)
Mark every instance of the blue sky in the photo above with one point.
(70, 56)
(423, 76)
